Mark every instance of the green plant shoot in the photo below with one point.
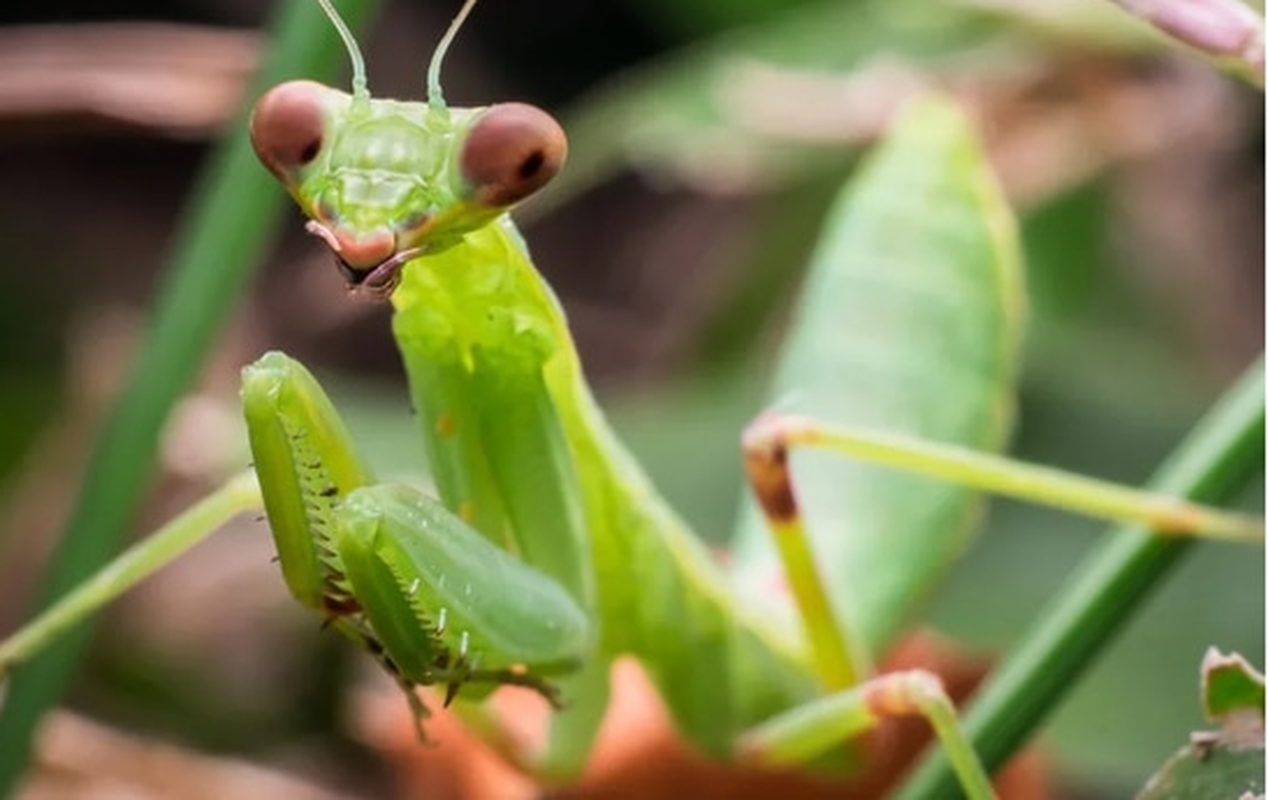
(547, 553)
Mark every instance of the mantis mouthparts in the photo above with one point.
(375, 283)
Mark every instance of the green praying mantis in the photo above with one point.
(548, 553)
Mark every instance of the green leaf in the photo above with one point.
(910, 322)
(1230, 685)
(1206, 769)
(1224, 763)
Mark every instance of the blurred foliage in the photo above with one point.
(1228, 762)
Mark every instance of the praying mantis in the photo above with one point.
(412, 198)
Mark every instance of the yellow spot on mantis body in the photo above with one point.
(445, 425)
(466, 511)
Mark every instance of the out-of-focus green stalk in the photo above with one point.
(220, 240)
(1223, 452)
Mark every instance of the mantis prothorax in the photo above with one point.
(548, 554)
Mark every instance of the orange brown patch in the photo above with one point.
(638, 754)
(445, 425)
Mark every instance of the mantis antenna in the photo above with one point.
(435, 98)
(360, 93)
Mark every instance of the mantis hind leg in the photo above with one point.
(841, 663)
(801, 734)
(856, 703)
(768, 439)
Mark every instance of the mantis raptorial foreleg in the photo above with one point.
(388, 567)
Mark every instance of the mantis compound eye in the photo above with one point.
(288, 125)
(512, 150)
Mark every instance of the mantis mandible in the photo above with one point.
(548, 553)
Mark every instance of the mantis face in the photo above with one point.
(384, 181)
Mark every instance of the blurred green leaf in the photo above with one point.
(1230, 685)
(1208, 770)
(1224, 763)
(909, 321)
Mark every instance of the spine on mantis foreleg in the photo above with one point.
(448, 606)
(389, 567)
(305, 461)
(306, 464)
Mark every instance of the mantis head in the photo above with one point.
(384, 182)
